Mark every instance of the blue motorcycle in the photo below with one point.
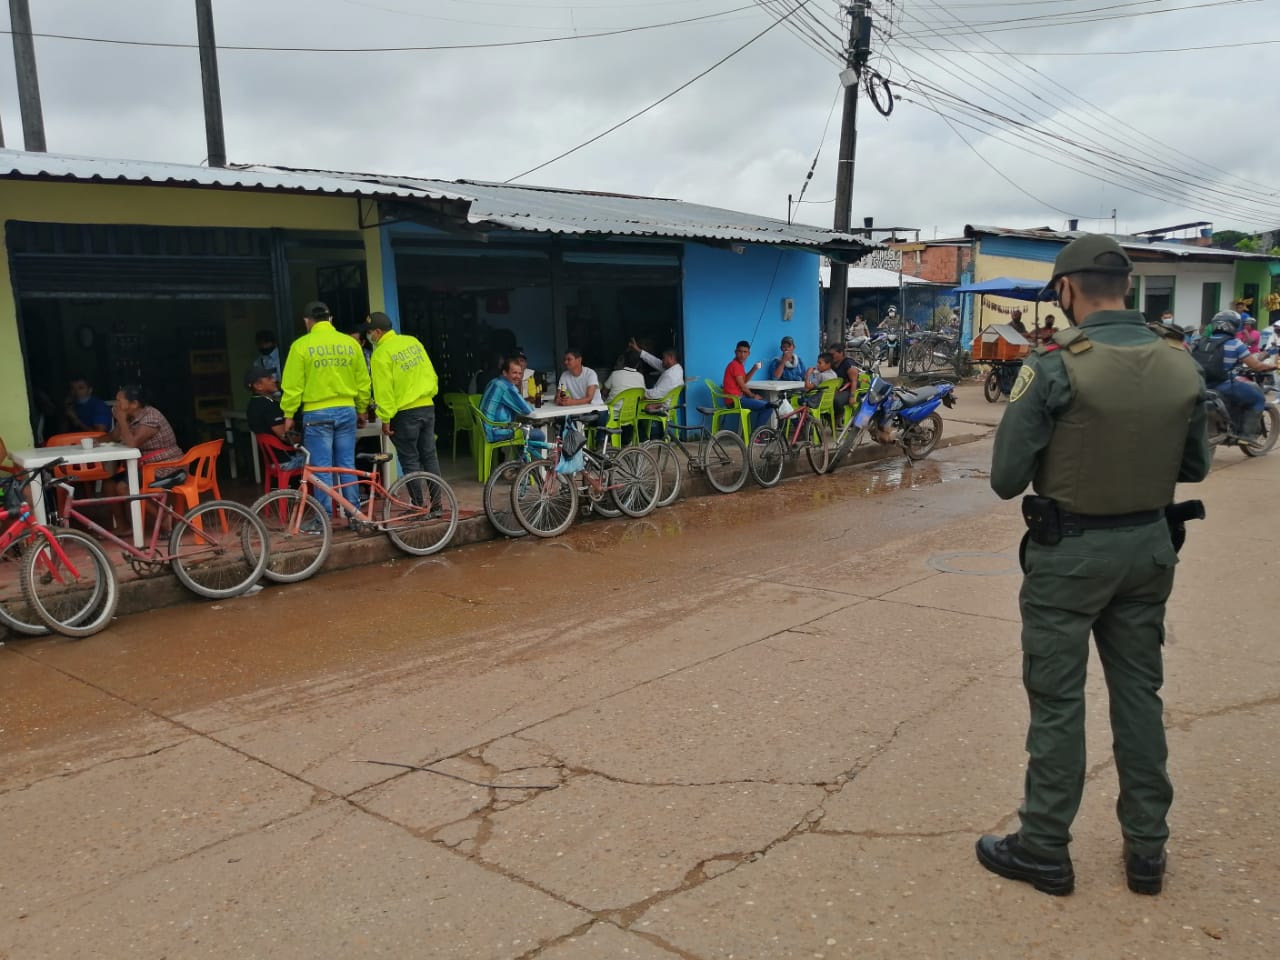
(896, 415)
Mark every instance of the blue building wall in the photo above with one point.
(1022, 248)
(738, 296)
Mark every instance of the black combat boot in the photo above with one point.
(1007, 857)
(1145, 874)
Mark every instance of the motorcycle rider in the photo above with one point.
(1220, 355)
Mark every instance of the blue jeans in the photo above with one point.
(759, 411)
(1244, 400)
(330, 436)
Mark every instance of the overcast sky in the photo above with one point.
(1198, 128)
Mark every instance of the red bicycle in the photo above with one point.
(51, 580)
(799, 430)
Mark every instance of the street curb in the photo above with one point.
(137, 596)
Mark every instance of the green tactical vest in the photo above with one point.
(1118, 446)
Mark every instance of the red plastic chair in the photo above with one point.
(274, 452)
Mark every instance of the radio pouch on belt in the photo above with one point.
(1043, 519)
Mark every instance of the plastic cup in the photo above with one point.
(86, 442)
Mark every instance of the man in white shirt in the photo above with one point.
(579, 386)
(626, 378)
(670, 373)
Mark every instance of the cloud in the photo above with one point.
(743, 136)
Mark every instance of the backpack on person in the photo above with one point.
(1210, 354)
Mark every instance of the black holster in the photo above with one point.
(1043, 519)
(1176, 516)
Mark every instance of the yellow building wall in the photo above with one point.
(151, 206)
(988, 268)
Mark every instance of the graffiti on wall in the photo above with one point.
(882, 259)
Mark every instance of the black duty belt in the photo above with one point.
(1047, 523)
(1074, 524)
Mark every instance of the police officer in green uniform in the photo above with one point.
(1102, 422)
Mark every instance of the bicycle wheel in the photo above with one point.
(670, 478)
(991, 386)
(817, 445)
(219, 549)
(765, 451)
(15, 613)
(635, 483)
(421, 513)
(296, 552)
(544, 502)
(77, 596)
(497, 499)
(724, 458)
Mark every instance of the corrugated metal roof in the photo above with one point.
(19, 164)
(534, 209)
(1136, 245)
(583, 212)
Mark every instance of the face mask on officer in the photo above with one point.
(1068, 309)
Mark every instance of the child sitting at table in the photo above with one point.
(819, 374)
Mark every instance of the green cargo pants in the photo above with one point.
(1114, 583)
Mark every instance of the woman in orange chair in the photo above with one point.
(138, 424)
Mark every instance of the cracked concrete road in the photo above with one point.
(762, 726)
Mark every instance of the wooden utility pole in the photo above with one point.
(24, 61)
(215, 137)
(855, 60)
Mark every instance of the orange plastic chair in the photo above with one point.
(274, 452)
(81, 472)
(201, 465)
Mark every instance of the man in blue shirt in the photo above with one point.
(1221, 356)
(502, 403)
(84, 410)
(788, 366)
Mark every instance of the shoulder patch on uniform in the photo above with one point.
(1020, 386)
(1073, 339)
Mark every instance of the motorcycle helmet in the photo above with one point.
(1225, 321)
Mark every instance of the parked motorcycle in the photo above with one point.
(1222, 432)
(895, 415)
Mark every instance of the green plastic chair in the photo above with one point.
(728, 405)
(623, 409)
(826, 407)
(484, 447)
(669, 417)
(463, 422)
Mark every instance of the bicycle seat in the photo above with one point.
(611, 431)
(373, 458)
(166, 483)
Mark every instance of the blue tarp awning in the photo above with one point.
(1010, 287)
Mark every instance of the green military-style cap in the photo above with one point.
(1094, 254)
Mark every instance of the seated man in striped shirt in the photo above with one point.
(502, 403)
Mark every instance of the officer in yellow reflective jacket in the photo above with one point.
(404, 387)
(1102, 422)
(326, 386)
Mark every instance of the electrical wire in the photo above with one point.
(248, 48)
(1125, 131)
(822, 142)
(1169, 168)
(932, 32)
(803, 32)
(661, 100)
(1108, 53)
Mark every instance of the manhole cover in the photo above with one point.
(976, 563)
